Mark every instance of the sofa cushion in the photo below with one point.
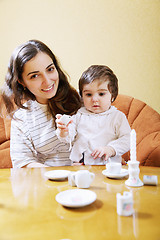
(146, 122)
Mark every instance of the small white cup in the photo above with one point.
(81, 178)
(71, 180)
(113, 167)
(125, 204)
(65, 119)
(150, 180)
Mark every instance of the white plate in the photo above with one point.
(57, 174)
(123, 173)
(76, 198)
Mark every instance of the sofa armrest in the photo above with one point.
(5, 159)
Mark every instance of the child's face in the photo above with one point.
(96, 96)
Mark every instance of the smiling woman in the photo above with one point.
(35, 90)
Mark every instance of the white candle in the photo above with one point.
(133, 145)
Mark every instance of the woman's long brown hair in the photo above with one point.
(13, 94)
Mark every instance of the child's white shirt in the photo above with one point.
(89, 131)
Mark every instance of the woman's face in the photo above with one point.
(41, 77)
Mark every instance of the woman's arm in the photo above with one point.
(22, 149)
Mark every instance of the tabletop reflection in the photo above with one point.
(26, 188)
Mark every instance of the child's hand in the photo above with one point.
(123, 162)
(60, 123)
(105, 152)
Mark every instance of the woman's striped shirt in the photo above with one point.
(33, 138)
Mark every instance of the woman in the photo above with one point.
(38, 89)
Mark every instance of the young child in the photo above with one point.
(98, 131)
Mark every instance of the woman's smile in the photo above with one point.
(48, 89)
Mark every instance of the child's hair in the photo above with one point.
(13, 93)
(101, 73)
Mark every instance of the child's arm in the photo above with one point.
(107, 152)
(62, 122)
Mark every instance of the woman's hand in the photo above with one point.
(105, 152)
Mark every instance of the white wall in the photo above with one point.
(123, 34)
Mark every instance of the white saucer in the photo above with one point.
(76, 198)
(57, 174)
(123, 173)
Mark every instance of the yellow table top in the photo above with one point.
(28, 209)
